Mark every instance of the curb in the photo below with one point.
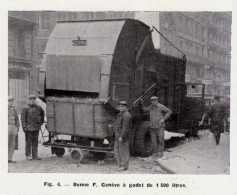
(164, 168)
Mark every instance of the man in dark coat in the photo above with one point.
(217, 115)
(121, 129)
(32, 117)
(13, 128)
(158, 114)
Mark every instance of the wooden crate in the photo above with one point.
(78, 119)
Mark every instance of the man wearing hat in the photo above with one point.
(217, 114)
(121, 129)
(32, 117)
(13, 128)
(158, 114)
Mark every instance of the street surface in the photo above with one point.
(192, 157)
(53, 164)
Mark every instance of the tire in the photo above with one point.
(142, 142)
(76, 155)
(59, 152)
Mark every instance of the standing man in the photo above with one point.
(32, 117)
(13, 128)
(217, 115)
(158, 114)
(121, 128)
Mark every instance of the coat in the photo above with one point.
(157, 113)
(13, 117)
(217, 114)
(32, 117)
(122, 125)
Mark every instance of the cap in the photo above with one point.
(154, 98)
(10, 98)
(32, 96)
(124, 103)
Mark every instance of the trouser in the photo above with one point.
(31, 143)
(12, 133)
(217, 136)
(121, 150)
(157, 139)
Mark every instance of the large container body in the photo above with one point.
(99, 59)
(105, 61)
(85, 119)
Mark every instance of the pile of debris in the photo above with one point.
(72, 99)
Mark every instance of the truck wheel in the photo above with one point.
(59, 152)
(76, 155)
(142, 142)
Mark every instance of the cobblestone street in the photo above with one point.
(192, 157)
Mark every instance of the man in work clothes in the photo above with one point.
(32, 117)
(121, 129)
(13, 128)
(217, 115)
(158, 114)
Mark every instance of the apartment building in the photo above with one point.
(22, 70)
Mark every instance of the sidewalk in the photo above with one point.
(201, 156)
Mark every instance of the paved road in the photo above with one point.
(52, 164)
(192, 157)
(200, 156)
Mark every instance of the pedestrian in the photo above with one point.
(158, 115)
(217, 115)
(121, 129)
(32, 117)
(13, 128)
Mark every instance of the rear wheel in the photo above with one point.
(77, 155)
(142, 142)
(59, 152)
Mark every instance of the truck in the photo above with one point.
(89, 66)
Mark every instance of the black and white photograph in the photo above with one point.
(119, 93)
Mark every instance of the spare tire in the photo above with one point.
(142, 141)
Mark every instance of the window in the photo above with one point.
(70, 16)
(45, 21)
(181, 44)
(121, 15)
(203, 51)
(203, 33)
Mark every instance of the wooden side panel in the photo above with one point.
(102, 120)
(50, 116)
(63, 117)
(84, 120)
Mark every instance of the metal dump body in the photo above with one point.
(105, 60)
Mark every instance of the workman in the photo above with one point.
(121, 128)
(217, 114)
(158, 115)
(13, 128)
(32, 118)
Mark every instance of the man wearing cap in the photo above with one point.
(13, 128)
(158, 114)
(32, 117)
(217, 114)
(121, 129)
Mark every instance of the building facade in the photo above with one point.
(22, 71)
(204, 38)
